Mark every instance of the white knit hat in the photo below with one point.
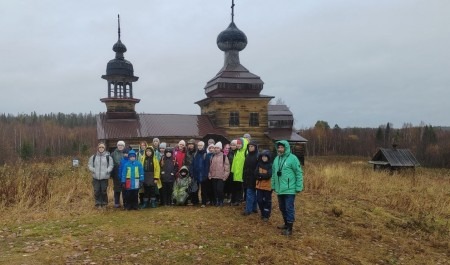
(182, 142)
(121, 143)
(218, 144)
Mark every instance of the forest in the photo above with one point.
(33, 136)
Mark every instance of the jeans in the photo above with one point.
(250, 200)
(264, 198)
(100, 195)
(286, 204)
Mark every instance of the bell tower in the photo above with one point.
(120, 103)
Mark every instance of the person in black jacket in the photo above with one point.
(168, 170)
(251, 161)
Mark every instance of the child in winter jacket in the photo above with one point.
(151, 178)
(263, 175)
(219, 171)
(132, 179)
(180, 187)
(168, 170)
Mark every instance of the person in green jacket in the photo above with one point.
(287, 181)
(237, 168)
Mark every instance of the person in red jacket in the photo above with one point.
(179, 153)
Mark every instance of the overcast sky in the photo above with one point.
(349, 62)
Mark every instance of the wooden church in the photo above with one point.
(232, 107)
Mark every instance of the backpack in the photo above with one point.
(107, 160)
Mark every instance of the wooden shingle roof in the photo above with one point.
(394, 157)
(156, 125)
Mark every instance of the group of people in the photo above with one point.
(201, 174)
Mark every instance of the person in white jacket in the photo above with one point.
(100, 165)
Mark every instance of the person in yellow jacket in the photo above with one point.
(151, 178)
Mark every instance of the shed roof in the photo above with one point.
(394, 157)
(156, 125)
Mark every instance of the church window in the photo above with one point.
(234, 118)
(254, 119)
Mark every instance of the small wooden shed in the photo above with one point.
(393, 159)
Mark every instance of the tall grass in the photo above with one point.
(348, 214)
(38, 189)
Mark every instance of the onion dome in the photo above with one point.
(119, 66)
(232, 38)
(119, 47)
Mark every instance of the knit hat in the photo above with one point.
(182, 142)
(233, 142)
(238, 141)
(162, 145)
(155, 140)
(218, 144)
(201, 143)
(247, 136)
(209, 146)
(191, 141)
(132, 153)
(121, 143)
(211, 141)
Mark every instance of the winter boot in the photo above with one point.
(288, 230)
(144, 204)
(153, 203)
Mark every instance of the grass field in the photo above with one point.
(347, 214)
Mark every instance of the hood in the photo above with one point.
(184, 169)
(132, 153)
(254, 144)
(287, 147)
(265, 153)
(168, 150)
(149, 148)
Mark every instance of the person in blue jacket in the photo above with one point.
(287, 181)
(132, 180)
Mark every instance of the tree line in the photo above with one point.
(28, 136)
(430, 145)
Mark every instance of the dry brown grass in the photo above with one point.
(348, 214)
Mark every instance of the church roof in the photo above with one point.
(156, 125)
(285, 134)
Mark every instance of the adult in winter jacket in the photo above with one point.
(117, 156)
(238, 169)
(132, 180)
(287, 181)
(199, 173)
(219, 171)
(100, 165)
(250, 163)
